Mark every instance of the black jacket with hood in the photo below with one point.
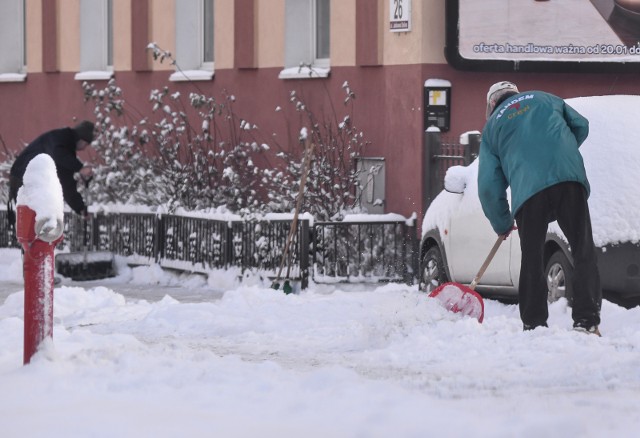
(60, 145)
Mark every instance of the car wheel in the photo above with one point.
(432, 270)
(559, 275)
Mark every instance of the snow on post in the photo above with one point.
(41, 192)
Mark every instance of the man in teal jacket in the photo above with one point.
(530, 143)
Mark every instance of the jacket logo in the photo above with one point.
(513, 103)
(519, 112)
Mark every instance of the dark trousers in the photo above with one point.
(567, 203)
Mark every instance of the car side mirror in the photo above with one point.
(455, 180)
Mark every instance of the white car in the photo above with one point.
(456, 236)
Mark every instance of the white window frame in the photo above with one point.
(190, 22)
(12, 41)
(301, 33)
(96, 40)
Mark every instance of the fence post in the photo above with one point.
(432, 145)
(474, 145)
(94, 226)
(304, 254)
(228, 245)
(471, 142)
(160, 238)
(313, 247)
(411, 246)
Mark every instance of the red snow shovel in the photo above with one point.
(459, 298)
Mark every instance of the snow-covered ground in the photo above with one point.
(154, 354)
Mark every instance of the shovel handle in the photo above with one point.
(485, 265)
(308, 151)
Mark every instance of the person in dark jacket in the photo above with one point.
(530, 144)
(62, 145)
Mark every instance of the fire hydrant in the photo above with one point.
(38, 239)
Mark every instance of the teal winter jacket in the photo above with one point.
(529, 143)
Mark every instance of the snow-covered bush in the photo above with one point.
(332, 185)
(194, 156)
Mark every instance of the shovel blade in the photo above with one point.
(461, 299)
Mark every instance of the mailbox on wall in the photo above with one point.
(437, 104)
(371, 177)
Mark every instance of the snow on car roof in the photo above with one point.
(612, 160)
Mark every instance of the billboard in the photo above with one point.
(539, 35)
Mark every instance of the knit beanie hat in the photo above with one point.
(84, 131)
(499, 92)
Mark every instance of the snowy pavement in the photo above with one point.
(153, 292)
(153, 286)
(132, 359)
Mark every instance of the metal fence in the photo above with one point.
(364, 251)
(440, 153)
(193, 244)
(7, 237)
(337, 251)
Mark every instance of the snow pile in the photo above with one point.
(377, 362)
(41, 190)
(455, 179)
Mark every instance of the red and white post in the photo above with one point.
(38, 229)
(38, 269)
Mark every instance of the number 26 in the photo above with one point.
(397, 14)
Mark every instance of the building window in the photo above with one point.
(12, 43)
(207, 33)
(194, 40)
(321, 32)
(307, 39)
(96, 40)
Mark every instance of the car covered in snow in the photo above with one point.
(456, 236)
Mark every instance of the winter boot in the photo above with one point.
(593, 330)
